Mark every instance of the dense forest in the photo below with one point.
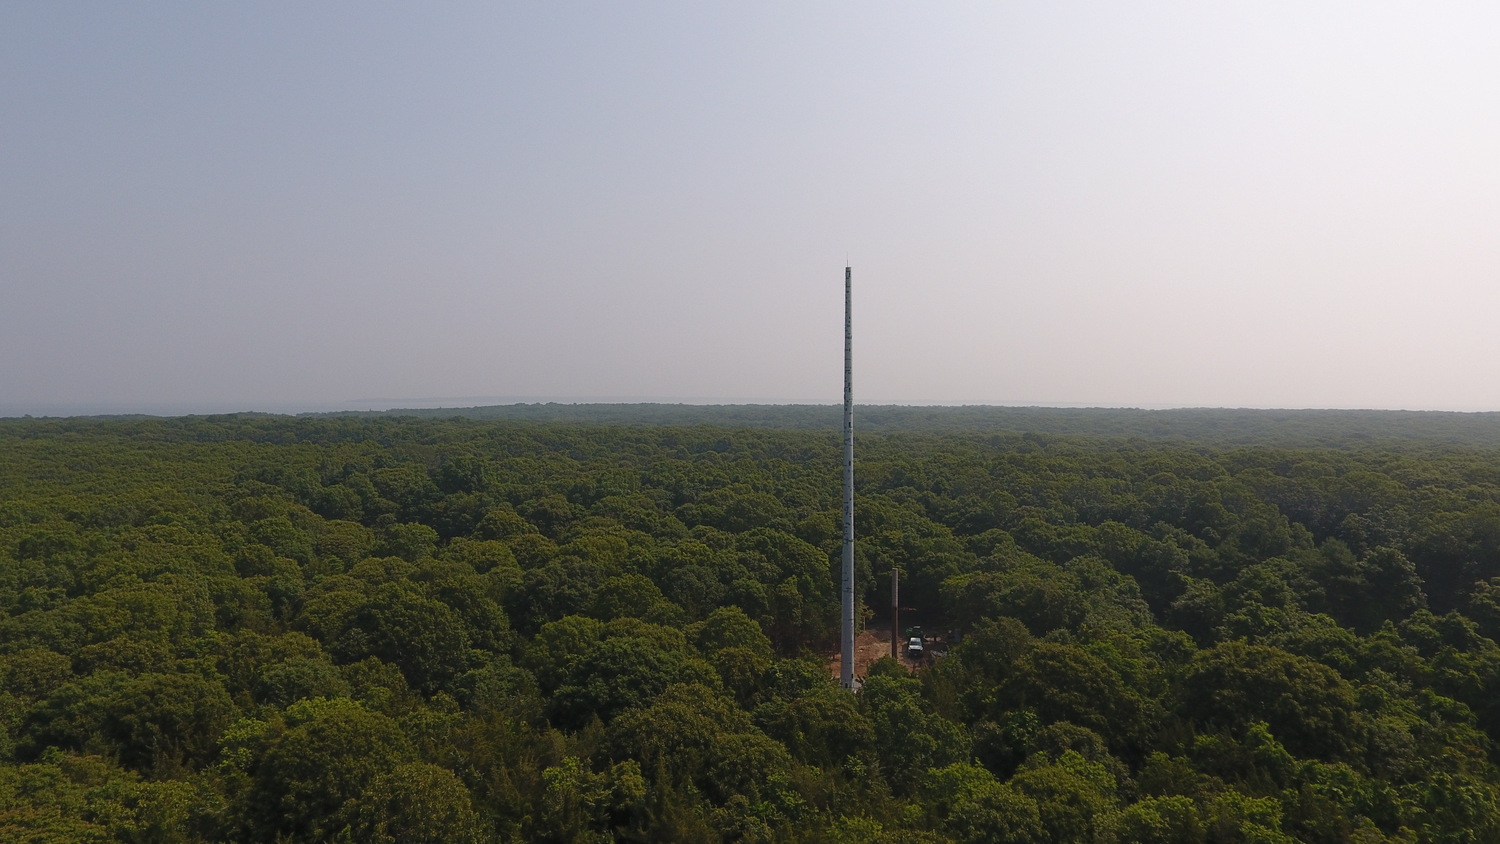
(391, 629)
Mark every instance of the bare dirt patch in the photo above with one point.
(871, 644)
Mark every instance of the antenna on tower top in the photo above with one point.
(846, 676)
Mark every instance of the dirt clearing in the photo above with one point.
(871, 644)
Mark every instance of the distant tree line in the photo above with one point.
(1218, 426)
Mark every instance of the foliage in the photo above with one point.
(1177, 627)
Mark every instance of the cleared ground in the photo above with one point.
(871, 644)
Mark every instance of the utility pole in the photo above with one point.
(895, 613)
(847, 674)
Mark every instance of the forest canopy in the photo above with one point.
(391, 628)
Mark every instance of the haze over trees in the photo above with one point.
(385, 628)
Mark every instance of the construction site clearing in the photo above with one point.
(874, 642)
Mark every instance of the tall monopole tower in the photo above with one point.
(847, 610)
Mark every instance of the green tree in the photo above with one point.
(730, 627)
(302, 776)
(1074, 797)
(415, 803)
(909, 739)
(621, 673)
(155, 722)
(1307, 704)
(1160, 820)
(973, 806)
(1066, 683)
(422, 637)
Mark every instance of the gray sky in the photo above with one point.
(206, 206)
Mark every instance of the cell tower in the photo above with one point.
(847, 614)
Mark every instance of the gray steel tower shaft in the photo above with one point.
(847, 675)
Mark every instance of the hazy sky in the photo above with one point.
(206, 206)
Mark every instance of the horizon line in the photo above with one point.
(384, 405)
